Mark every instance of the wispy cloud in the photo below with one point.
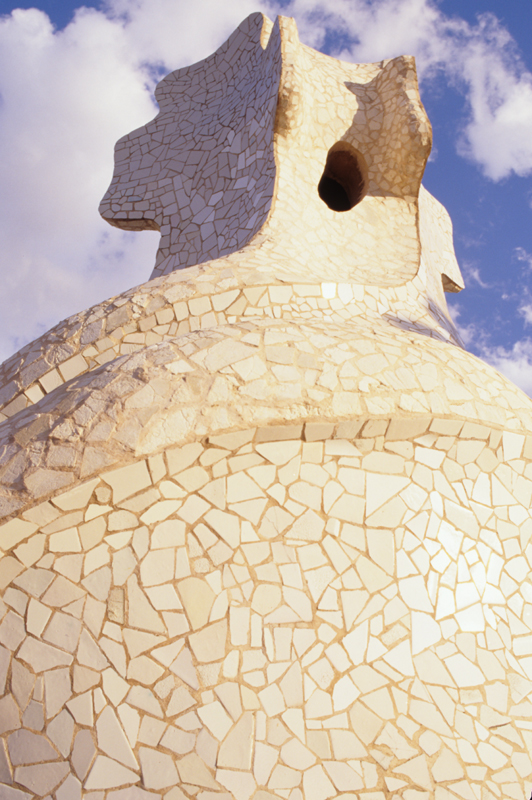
(525, 311)
(523, 255)
(470, 333)
(472, 275)
(515, 362)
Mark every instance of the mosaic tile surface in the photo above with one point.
(346, 612)
(266, 528)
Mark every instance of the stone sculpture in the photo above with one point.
(266, 524)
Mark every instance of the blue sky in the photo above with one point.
(73, 79)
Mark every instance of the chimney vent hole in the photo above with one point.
(344, 181)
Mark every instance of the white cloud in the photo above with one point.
(178, 33)
(65, 99)
(499, 88)
(66, 96)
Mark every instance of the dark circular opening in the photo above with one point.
(343, 183)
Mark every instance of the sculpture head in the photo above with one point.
(268, 144)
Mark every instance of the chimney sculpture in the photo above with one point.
(266, 525)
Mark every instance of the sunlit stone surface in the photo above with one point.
(265, 524)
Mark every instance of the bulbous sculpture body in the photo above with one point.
(266, 524)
